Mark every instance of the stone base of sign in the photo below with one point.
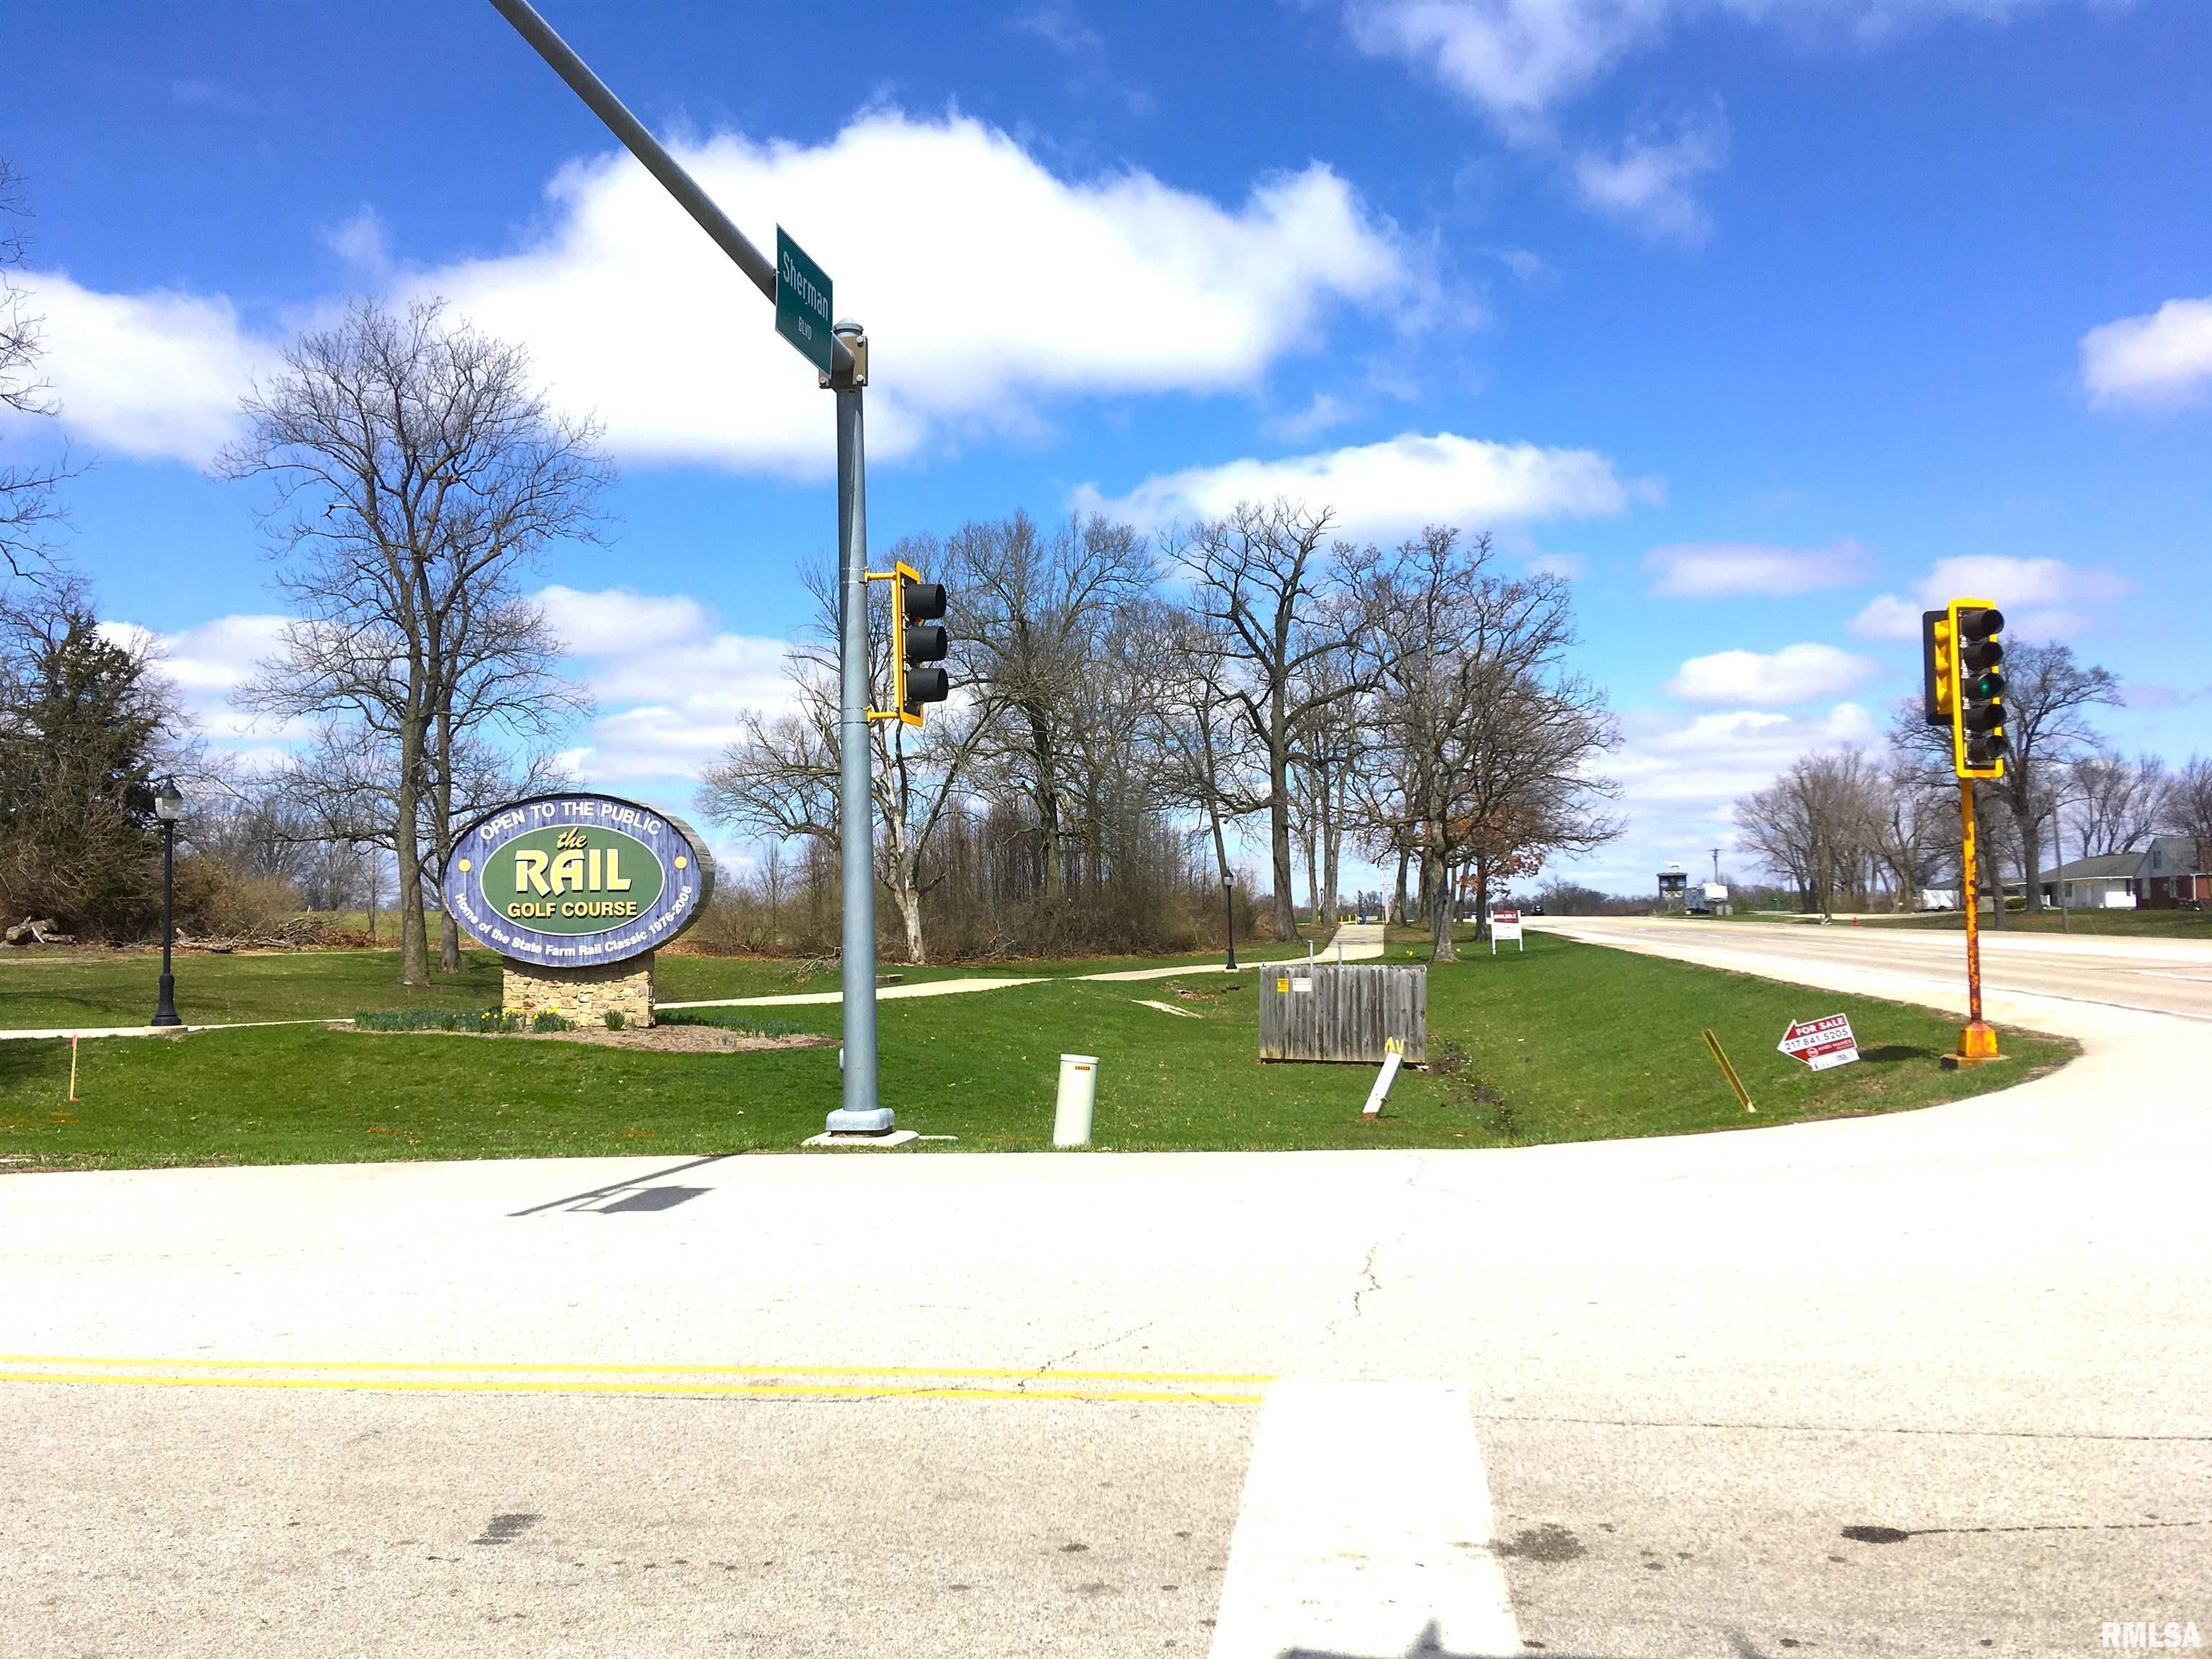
(586, 995)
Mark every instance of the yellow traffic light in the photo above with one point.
(1979, 739)
(916, 677)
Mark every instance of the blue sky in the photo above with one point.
(1767, 319)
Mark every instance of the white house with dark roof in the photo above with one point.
(2168, 874)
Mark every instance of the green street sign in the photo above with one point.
(802, 302)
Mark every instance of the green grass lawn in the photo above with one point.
(2128, 923)
(44, 990)
(1566, 1043)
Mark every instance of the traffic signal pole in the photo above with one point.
(1979, 1040)
(846, 376)
(860, 1114)
(1963, 694)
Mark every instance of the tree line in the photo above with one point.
(1124, 705)
(1854, 828)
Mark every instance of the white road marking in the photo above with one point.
(931, 987)
(88, 1032)
(1364, 1528)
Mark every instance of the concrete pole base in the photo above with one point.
(887, 1138)
(1977, 1042)
(868, 1120)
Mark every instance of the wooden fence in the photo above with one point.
(1342, 1011)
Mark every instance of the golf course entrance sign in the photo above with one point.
(577, 891)
(572, 881)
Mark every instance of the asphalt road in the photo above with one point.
(2164, 975)
(1931, 1383)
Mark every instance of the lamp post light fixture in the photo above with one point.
(168, 806)
(1228, 918)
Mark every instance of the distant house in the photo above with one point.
(2167, 874)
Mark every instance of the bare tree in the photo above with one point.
(1282, 604)
(1328, 745)
(1820, 826)
(778, 781)
(2118, 805)
(2188, 804)
(1036, 604)
(27, 508)
(1918, 825)
(1209, 762)
(1494, 736)
(417, 475)
(337, 795)
(2048, 696)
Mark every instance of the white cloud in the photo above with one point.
(2161, 359)
(2041, 598)
(1514, 59)
(1648, 183)
(2009, 581)
(990, 287)
(1572, 566)
(1888, 617)
(207, 663)
(1795, 674)
(1517, 59)
(1679, 777)
(1325, 410)
(1397, 485)
(670, 684)
(1718, 569)
(157, 376)
(364, 242)
(1061, 28)
(616, 620)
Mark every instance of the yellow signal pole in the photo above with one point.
(1977, 1040)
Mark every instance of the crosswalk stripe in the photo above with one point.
(1364, 1529)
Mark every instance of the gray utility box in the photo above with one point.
(1343, 1011)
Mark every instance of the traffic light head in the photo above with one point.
(922, 601)
(1979, 739)
(923, 642)
(1939, 668)
(916, 677)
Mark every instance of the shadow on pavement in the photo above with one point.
(638, 1200)
(652, 1198)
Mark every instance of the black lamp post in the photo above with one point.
(1228, 916)
(168, 804)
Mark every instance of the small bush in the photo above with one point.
(549, 1020)
(614, 1019)
(729, 1020)
(487, 1020)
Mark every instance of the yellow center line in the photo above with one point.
(380, 1385)
(696, 1369)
